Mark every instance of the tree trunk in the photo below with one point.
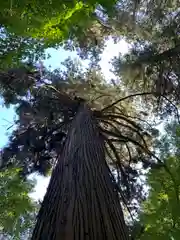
(81, 201)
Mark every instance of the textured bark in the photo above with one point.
(81, 202)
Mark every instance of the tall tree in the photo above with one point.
(48, 115)
(81, 201)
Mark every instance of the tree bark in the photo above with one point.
(81, 201)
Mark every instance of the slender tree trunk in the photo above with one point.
(81, 201)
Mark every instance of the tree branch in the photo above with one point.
(124, 98)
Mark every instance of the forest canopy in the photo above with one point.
(109, 146)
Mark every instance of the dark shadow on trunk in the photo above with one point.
(81, 201)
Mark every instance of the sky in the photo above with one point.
(7, 115)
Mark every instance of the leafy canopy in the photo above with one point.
(51, 21)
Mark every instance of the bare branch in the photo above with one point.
(124, 98)
(176, 109)
(116, 116)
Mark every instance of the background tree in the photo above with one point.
(17, 209)
(153, 61)
(159, 215)
(15, 50)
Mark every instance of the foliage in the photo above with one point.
(17, 210)
(160, 212)
(31, 25)
(47, 19)
(14, 50)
